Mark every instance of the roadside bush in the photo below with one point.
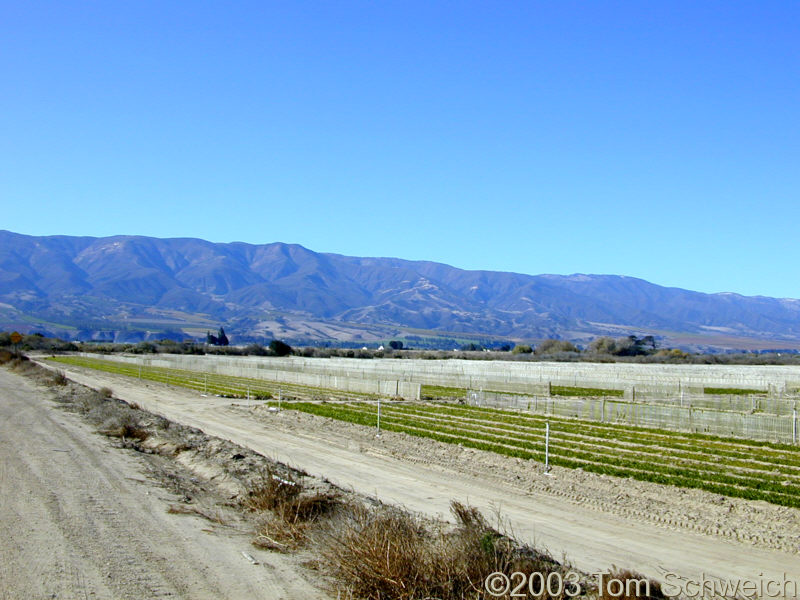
(21, 365)
(292, 509)
(552, 346)
(256, 350)
(58, 378)
(388, 553)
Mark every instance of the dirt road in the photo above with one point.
(590, 539)
(78, 519)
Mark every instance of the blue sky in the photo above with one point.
(653, 139)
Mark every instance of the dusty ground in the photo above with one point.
(595, 521)
(757, 524)
(80, 518)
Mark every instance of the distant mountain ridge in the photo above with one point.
(69, 285)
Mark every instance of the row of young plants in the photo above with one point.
(595, 459)
(701, 459)
(750, 469)
(738, 454)
(636, 434)
(591, 451)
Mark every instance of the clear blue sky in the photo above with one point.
(653, 139)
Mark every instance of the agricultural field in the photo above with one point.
(436, 391)
(738, 468)
(745, 469)
(211, 383)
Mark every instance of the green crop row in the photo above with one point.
(565, 390)
(699, 458)
(732, 391)
(749, 488)
(615, 430)
(592, 453)
(674, 448)
(439, 391)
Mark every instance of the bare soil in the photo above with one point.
(81, 518)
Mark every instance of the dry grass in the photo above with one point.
(389, 554)
(129, 432)
(23, 366)
(191, 509)
(113, 418)
(292, 511)
(274, 491)
(58, 378)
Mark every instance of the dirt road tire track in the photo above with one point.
(78, 520)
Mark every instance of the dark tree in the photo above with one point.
(222, 339)
(471, 347)
(280, 348)
(649, 340)
(396, 345)
(211, 340)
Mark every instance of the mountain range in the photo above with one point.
(133, 287)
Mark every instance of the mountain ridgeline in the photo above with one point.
(66, 285)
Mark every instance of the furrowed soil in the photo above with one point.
(595, 521)
(756, 524)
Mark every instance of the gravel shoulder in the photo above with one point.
(82, 519)
(594, 521)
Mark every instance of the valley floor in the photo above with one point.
(596, 522)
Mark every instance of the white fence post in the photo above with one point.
(547, 447)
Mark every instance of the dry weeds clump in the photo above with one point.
(58, 378)
(293, 510)
(116, 419)
(23, 366)
(389, 554)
